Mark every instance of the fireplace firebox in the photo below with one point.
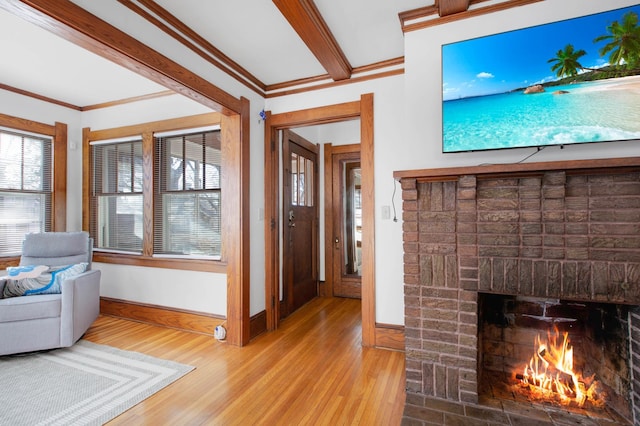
(554, 354)
(514, 269)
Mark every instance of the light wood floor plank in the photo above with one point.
(311, 371)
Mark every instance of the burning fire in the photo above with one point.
(550, 376)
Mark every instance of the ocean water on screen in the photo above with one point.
(591, 112)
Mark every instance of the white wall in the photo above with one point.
(190, 290)
(160, 108)
(407, 135)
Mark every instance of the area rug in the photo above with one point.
(86, 384)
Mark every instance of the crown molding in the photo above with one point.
(425, 17)
(331, 83)
(39, 97)
(128, 100)
(375, 70)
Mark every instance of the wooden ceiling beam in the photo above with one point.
(306, 20)
(75, 24)
(449, 7)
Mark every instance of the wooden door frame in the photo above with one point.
(362, 109)
(330, 207)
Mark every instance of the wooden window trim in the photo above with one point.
(58, 132)
(146, 131)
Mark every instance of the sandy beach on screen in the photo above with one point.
(630, 83)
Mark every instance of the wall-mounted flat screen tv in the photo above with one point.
(567, 82)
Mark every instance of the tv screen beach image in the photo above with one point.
(567, 82)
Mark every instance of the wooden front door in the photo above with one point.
(300, 222)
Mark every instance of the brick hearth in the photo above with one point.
(566, 231)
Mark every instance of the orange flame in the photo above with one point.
(550, 375)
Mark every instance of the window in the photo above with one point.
(154, 193)
(117, 210)
(25, 187)
(187, 202)
(301, 188)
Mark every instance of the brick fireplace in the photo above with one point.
(551, 236)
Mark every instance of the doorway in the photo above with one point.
(343, 220)
(362, 109)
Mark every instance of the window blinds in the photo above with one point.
(26, 177)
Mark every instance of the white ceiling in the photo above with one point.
(47, 65)
(253, 33)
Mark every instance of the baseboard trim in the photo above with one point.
(389, 336)
(196, 322)
(257, 324)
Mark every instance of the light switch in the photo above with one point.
(386, 212)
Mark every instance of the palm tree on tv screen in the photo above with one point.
(566, 62)
(623, 41)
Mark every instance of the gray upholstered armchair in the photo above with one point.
(46, 321)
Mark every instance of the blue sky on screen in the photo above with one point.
(503, 62)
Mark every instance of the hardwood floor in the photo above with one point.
(311, 371)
